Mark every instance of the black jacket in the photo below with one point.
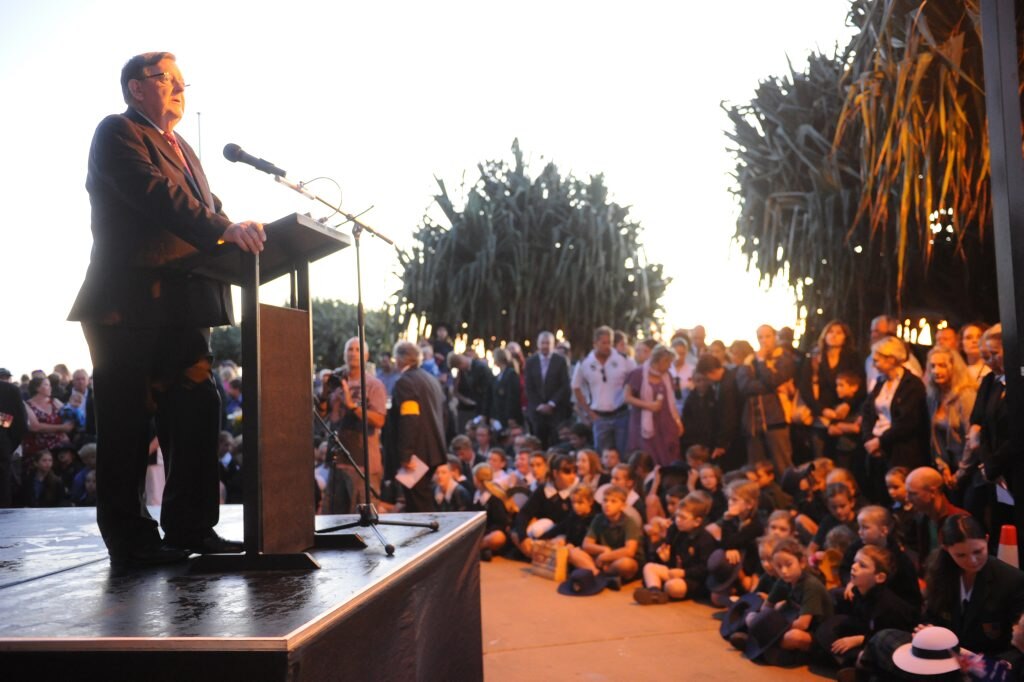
(905, 442)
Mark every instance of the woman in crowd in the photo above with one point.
(950, 398)
(505, 403)
(837, 355)
(680, 371)
(970, 346)
(46, 429)
(894, 417)
(655, 424)
(588, 468)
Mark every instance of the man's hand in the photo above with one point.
(248, 235)
(716, 453)
(545, 408)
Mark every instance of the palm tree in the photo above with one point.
(524, 254)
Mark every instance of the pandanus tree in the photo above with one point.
(516, 254)
(864, 179)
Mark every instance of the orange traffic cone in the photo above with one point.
(1008, 545)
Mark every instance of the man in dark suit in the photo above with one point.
(548, 394)
(415, 427)
(147, 320)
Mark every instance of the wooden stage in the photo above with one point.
(66, 614)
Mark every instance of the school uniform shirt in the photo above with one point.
(808, 593)
(615, 534)
(546, 502)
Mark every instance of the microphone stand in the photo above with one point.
(368, 516)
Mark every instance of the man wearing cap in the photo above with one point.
(147, 319)
(13, 425)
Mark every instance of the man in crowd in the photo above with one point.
(147, 321)
(548, 396)
(603, 374)
(472, 387)
(415, 430)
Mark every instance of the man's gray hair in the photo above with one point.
(544, 335)
(134, 69)
(407, 354)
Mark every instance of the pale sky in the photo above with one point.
(383, 97)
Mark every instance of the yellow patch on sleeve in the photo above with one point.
(409, 407)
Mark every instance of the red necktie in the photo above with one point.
(173, 141)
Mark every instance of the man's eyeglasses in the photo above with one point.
(165, 78)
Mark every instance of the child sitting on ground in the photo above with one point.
(737, 532)
(904, 516)
(490, 498)
(449, 495)
(573, 528)
(874, 528)
(841, 510)
(709, 479)
(612, 544)
(657, 527)
(837, 542)
(798, 589)
(622, 477)
(780, 524)
(681, 566)
(872, 607)
(696, 457)
(498, 459)
(772, 495)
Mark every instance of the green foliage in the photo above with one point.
(525, 254)
(842, 170)
(334, 323)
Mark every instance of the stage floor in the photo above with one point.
(59, 594)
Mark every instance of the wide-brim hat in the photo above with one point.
(767, 629)
(933, 651)
(735, 618)
(583, 583)
(721, 574)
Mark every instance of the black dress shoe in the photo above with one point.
(156, 554)
(209, 543)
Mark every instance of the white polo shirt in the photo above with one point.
(605, 384)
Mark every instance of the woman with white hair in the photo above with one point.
(894, 419)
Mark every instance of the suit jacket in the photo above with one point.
(504, 402)
(906, 441)
(554, 387)
(148, 213)
(991, 414)
(415, 423)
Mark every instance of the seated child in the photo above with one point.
(772, 494)
(612, 544)
(498, 459)
(448, 494)
(623, 477)
(656, 527)
(696, 457)
(781, 525)
(799, 592)
(538, 470)
(875, 528)
(681, 565)
(610, 458)
(573, 528)
(873, 606)
(837, 542)
(841, 510)
(841, 475)
(737, 532)
(490, 498)
(904, 515)
(709, 479)
(547, 505)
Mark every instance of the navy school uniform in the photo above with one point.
(902, 579)
(865, 615)
(497, 515)
(828, 522)
(545, 502)
(690, 552)
(455, 499)
(743, 538)
(573, 527)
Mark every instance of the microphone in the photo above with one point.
(234, 153)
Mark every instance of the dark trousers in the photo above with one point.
(140, 375)
(420, 497)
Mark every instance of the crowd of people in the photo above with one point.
(835, 503)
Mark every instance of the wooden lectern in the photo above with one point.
(277, 356)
